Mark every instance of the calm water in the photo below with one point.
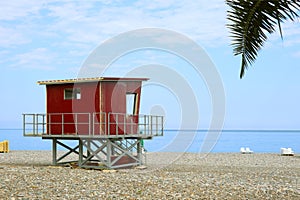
(179, 141)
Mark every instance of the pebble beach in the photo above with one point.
(30, 175)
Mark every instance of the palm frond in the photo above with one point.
(251, 20)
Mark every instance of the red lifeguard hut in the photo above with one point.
(102, 114)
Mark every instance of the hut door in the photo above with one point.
(130, 103)
(131, 117)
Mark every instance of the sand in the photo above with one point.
(30, 175)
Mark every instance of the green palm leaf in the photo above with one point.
(251, 20)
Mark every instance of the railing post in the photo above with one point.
(147, 125)
(93, 124)
(24, 121)
(62, 124)
(162, 125)
(124, 123)
(108, 124)
(49, 124)
(89, 124)
(117, 124)
(76, 123)
(43, 124)
(151, 125)
(156, 127)
(33, 124)
(145, 130)
(36, 124)
(105, 123)
(132, 124)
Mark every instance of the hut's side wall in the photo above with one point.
(113, 96)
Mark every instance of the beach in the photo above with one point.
(30, 175)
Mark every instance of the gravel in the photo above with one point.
(30, 175)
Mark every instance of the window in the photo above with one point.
(130, 103)
(72, 93)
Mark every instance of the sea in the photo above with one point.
(195, 141)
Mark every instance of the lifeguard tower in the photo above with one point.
(101, 115)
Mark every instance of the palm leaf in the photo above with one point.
(251, 20)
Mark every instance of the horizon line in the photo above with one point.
(210, 130)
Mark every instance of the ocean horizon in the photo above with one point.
(228, 141)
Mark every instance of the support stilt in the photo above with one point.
(80, 153)
(99, 153)
(54, 151)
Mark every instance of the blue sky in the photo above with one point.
(42, 40)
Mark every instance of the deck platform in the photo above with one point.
(117, 142)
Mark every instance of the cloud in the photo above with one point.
(71, 29)
(39, 58)
(94, 21)
(50, 34)
(10, 37)
(291, 33)
(296, 54)
(14, 10)
(91, 22)
(4, 57)
(74, 28)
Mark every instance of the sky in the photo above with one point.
(49, 39)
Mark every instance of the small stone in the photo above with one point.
(141, 167)
(109, 171)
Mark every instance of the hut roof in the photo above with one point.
(85, 80)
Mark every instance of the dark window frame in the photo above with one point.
(72, 93)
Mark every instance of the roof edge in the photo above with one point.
(87, 80)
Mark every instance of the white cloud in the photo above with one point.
(39, 58)
(54, 33)
(13, 9)
(10, 37)
(291, 33)
(90, 22)
(76, 27)
(4, 57)
(94, 21)
(296, 54)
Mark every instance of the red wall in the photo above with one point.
(89, 103)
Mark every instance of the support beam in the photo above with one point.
(108, 156)
(54, 151)
(80, 153)
(139, 151)
(109, 152)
